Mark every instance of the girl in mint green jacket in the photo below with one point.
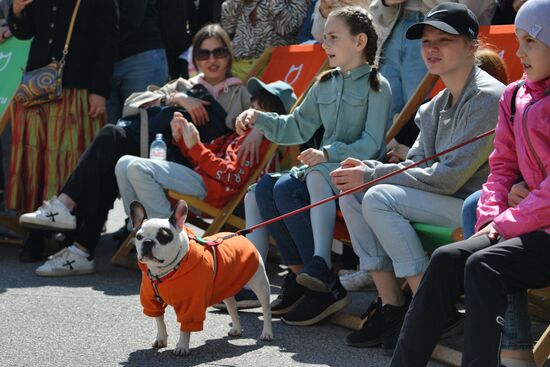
(352, 104)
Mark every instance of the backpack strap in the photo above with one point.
(513, 101)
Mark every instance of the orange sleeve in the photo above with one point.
(151, 307)
(191, 309)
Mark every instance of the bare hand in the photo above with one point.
(195, 107)
(97, 105)
(397, 154)
(177, 126)
(19, 5)
(245, 120)
(518, 192)
(250, 147)
(5, 33)
(326, 6)
(488, 231)
(190, 134)
(312, 157)
(350, 174)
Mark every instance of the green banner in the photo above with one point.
(13, 58)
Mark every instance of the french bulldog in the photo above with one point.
(179, 271)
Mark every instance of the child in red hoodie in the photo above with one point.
(219, 171)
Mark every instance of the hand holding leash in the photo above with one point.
(245, 120)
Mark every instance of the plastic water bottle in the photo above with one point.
(158, 149)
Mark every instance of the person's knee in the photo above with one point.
(476, 263)
(376, 200)
(443, 258)
(123, 164)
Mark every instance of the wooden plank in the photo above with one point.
(542, 348)
(412, 105)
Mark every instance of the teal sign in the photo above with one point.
(13, 58)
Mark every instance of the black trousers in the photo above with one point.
(485, 272)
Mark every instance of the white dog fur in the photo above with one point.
(171, 253)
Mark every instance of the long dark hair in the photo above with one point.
(217, 32)
(358, 21)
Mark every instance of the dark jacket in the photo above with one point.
(89, 64)
(139, 27)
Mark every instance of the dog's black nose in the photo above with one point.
(147, 248)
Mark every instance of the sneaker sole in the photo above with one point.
(64, 274)
(286, 310)
(335, 307)
(312, 283)
(38, 225)
(243, 305)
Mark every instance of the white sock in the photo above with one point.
(75, 250)
(510, 362)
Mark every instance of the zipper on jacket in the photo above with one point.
(528, 139)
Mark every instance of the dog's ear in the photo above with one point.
(177, 219)
(137, 213)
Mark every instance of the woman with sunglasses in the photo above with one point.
(83, 203)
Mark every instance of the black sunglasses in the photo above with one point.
(218, 53)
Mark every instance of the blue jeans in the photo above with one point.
(517, 325)
(401, 62)
(134, 74)
(277, 195)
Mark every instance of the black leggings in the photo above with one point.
(485, 272)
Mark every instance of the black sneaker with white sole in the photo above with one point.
(381, 325)
(317, 306)
(245, 299)
(291, 293)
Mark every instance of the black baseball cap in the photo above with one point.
(452, 18)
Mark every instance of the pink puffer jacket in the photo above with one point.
(522, 150)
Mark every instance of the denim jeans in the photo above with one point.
(146, 179)
(401, 62)
(277, 195)
(517, 325)
(379, 223)
(134, 74)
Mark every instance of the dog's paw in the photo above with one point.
(235, 332)
(160, 343)
(181, 351)
(266, 336)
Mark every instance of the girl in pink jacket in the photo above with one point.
(511, 250)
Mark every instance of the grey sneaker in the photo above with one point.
(51, 215)
(65, 263)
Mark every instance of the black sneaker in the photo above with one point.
(455, 326)
(245, 299)
(381, 324)
(291, 293)
(316, 306)
(33, 247)
(316, 275)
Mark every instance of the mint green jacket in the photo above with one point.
(354, 117)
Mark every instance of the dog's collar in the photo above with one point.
(157, 279)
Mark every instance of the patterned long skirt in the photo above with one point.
(47, 141)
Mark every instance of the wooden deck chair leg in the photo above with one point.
(121, 258)
(542, 348)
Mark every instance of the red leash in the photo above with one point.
(245, 231)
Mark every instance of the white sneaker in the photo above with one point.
(357, 281)
(51, 215)
(65, 263)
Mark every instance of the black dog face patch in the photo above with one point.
(165, 236)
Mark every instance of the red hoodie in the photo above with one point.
(217, 164)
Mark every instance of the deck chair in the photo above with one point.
(298, 66)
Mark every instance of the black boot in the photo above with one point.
(33, 247)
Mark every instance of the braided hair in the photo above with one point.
(358, 21)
